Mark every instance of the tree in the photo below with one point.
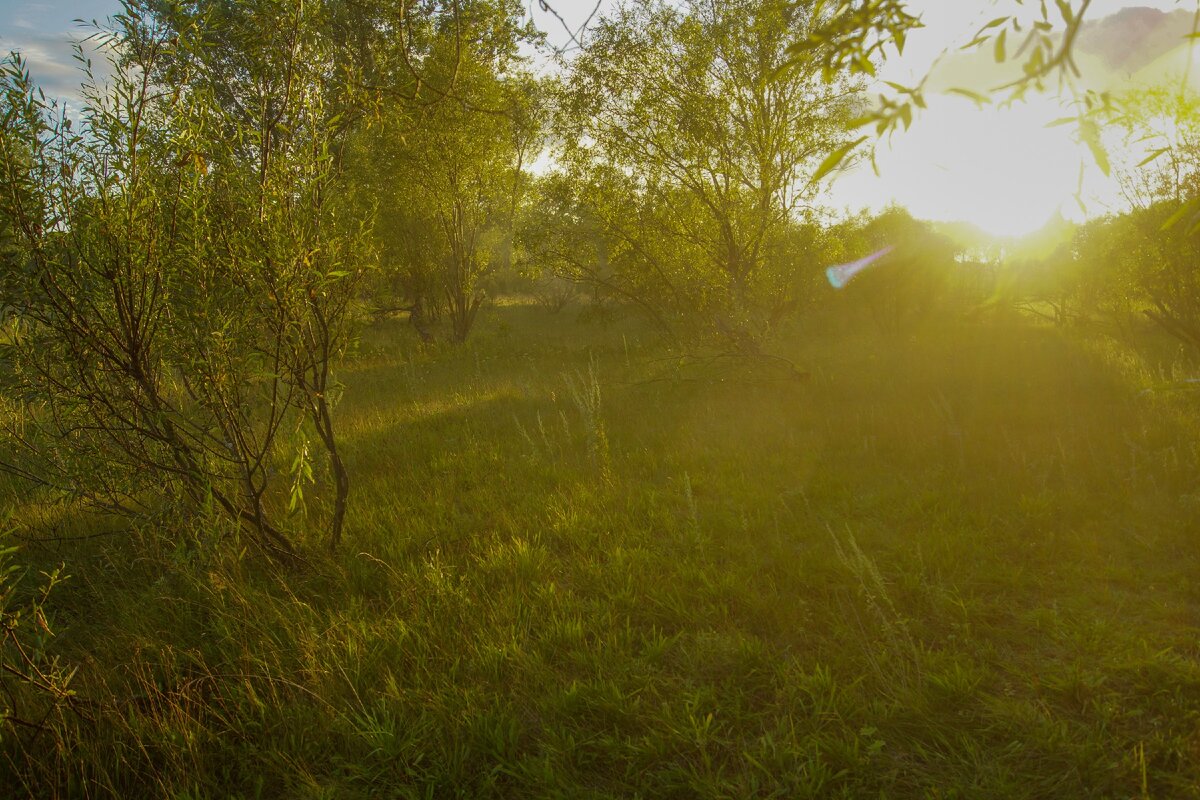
(912, 281)
(1165, 125)
(1155, 244)
(449, 169)
(189, 277)
(690, 149)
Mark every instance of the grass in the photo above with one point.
(955, 564)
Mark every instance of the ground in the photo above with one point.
(955, 561)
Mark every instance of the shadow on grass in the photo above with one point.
(963, 560)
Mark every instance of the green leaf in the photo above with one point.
(835, 158)
(970, 95)
(1090, 133)
(1000, 52)
(1064, 8)
(1153, 156)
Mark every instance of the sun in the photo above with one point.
(1002, 167)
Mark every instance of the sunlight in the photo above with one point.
(488, 399)
(998, 167)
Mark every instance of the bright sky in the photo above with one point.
(1000, 168)
(42, 31)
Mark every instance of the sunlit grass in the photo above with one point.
(956, 563)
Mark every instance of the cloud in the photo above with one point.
(52, 62)
(1135, 37)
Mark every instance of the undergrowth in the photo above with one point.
(959, 564)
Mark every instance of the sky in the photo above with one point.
(42, 30)
(1000, 168)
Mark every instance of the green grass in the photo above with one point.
(956, 564)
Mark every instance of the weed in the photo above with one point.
(584, 386)
(1012, 618)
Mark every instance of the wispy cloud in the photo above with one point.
(52, 61)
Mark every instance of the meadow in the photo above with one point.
(957, 562)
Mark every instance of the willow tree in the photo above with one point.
(693, 136)
(446, 167)
(1039, 38)
(189, 272)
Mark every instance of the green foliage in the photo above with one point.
(36, 683)
(1142, 261)
(1010, 615)
(446, 168)
(912, 283)
(1165, 124)
(688, 154)
(852, 35)
(856, 35)
(188, 279)
(667, 577)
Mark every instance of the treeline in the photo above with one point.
(187, 257)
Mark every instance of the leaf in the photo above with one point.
(1000, 51)
(1090, 133)
(970, 95)
(1153, 156)
(835, 158)
(997, 22)
(1064, 8)
(1182, 212)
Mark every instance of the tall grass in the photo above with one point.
(1006, 607)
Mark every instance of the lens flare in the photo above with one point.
(840, 275)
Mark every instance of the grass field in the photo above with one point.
(961, 563)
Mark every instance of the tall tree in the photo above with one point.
(190, 272)
(693, 136)
(448, 168)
